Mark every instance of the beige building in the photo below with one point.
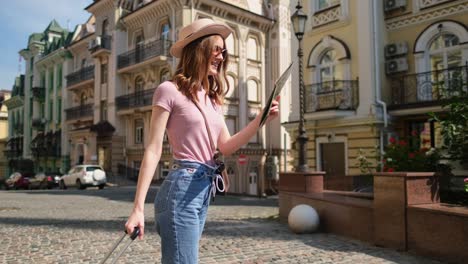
(4, 95)
(374, 69)
(122, 54)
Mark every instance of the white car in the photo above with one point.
(83, 176)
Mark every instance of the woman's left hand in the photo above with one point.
(274, 109)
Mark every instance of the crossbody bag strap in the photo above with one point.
(213, 147)
(224, 174)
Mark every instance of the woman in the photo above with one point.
(182, 201)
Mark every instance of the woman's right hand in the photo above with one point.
(136, 219)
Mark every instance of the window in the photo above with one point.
(231, 93)
(103, 73)
(252, 51)
(328, 68)
(59, 77)
(105, 27)
(444, 52)
(51, 80)
(322, 4)
(252, 91)
(427, 134)
(103, 110)
(59, 110)
(83, 63)
(139, 38)
(231, 123)
(230, 45)
(139, 131)
(165, 29)
(164, 171)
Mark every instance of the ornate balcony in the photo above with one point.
(144, 53)
(38, 93)
(428, 89)
(84, 74)
(79, 112)
(135, 100)
(332, 95)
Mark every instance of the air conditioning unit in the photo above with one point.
(396, 65)
(390, 5)
(396, 49)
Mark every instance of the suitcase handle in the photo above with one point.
(136, 232)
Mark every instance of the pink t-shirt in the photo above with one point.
(186, 127)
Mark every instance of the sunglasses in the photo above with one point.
(218, 50)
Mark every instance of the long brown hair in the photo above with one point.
(192, 71)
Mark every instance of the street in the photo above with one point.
(80, 226)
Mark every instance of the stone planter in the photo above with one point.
(393, 192)
(303, 182)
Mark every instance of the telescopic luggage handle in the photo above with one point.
(135, 233)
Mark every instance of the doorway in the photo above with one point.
(333, 162)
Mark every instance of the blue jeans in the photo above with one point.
(181, 206)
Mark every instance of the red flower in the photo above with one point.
(390, 170)
(414, 133)
(402, 143)
(392, 140)
(425, 141)
(411, 155)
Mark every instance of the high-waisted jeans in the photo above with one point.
(181, 206)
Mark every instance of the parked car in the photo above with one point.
(83, 176)
(17, 181)
(43, 181)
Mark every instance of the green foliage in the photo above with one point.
(454, 122)
(406, 155)
(363, 163)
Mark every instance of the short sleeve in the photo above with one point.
(164, 96)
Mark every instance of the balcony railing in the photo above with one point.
(429, 88)
(332, 95)
(144, 52)
(78, 112)
(38, 92)
(38, 123)
(134, 100)
(81, 75)
(101, 42)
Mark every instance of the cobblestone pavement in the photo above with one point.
(75, 226)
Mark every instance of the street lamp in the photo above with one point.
(298, 20)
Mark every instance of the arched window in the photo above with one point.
(329, 68)
(253, 94)
(444, 52)
(231, 44)
(105, 27)
(252, 49)
(232, 87)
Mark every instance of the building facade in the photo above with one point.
(374, 70)
(4, 96)
(14, 145)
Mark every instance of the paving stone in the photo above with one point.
(80, 226)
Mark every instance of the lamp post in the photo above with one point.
(298, 20)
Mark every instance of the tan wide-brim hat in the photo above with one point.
(198, 28)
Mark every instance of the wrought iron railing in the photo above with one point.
(134, 100)
(79, 112)
(332, 95)
(38, 92)
(144, 52)
(429, 87)
(81, 75)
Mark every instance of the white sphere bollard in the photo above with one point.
(303, 219)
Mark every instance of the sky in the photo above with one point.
(21, 18)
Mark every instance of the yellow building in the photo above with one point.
(4, 95)
(374, 69)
